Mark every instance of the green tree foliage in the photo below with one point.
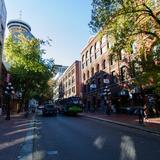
(30, 72)
(127, 21)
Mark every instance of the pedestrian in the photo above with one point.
(108, 107)
(141, 115)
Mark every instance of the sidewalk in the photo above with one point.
(13, 133)
(151, 125)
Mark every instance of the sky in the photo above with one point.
(63, 21)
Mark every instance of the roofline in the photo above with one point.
(20, 22)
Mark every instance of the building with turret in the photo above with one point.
(18, 26)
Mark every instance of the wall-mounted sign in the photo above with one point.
(106, 81)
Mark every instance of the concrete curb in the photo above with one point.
(26, 152)
(123, 124)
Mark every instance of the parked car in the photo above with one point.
(49, 109)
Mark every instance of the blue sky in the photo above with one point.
(64, 21)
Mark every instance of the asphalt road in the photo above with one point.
(80, 138)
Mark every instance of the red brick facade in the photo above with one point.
(101, 69)
(70, 81)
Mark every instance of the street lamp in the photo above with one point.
(8, 92)
(107, 92)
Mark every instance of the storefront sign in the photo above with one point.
(106, 81)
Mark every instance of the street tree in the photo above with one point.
(130, 21)
(30, 72)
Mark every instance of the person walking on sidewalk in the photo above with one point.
(141, 115)
(108, 107)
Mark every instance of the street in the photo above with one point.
(80, 138)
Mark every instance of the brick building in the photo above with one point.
(101, 69)
(70, 81)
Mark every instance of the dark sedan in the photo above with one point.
(49, 109)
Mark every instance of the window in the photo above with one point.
(97, 68)
(97, 45)
(109, 42)
(83, 62)
(86, 54)
(91, 54)
(92, 71)
(86, 63)
(87, 74)
(104, 64)
(95, 55)
(103, 44)
(87, 58)
(72, 79)
(83, 58)
(98, 49)
(111, 59)
(73, 89)
(83, 65)
(69, 82)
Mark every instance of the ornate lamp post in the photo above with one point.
(8, 92)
